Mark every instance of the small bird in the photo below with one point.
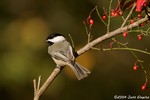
(62, 53)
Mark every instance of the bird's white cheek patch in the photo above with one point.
(56, 39)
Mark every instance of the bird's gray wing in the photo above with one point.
(60, 56)
(63, 52)
(70, 54)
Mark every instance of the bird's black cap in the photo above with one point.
(51, 36)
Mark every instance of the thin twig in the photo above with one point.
(34, 84)
(125, 20)
(122, 48)
(71, 41)
(137, 58)
(111, 34)
(145, 72)
(108, 25)
(100, 17)
(92, 10)
(39, 82)
(145, 33)
(88, 32)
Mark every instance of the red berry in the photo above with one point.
(104, 17)
(144, 86)
(131, 21)
(135, 67)
(91, 22)
(139, 37)
(125, 33)
(144, 5)
(139, 15)
(142, 24)
(137, 10)
(111, 44)
(114, 13)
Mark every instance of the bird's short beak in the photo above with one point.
(45, 41)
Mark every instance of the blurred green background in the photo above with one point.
(24, 26)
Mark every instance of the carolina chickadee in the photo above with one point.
(62, 54)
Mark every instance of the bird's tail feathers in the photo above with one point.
(79, 70)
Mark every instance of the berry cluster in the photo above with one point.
(118, 11)
(139, 36)
(115, 13)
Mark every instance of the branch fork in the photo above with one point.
(38, 91)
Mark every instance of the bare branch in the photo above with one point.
(109, 35)
(125, 20)
(108, 25)
(38, 91)
(123, 48)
